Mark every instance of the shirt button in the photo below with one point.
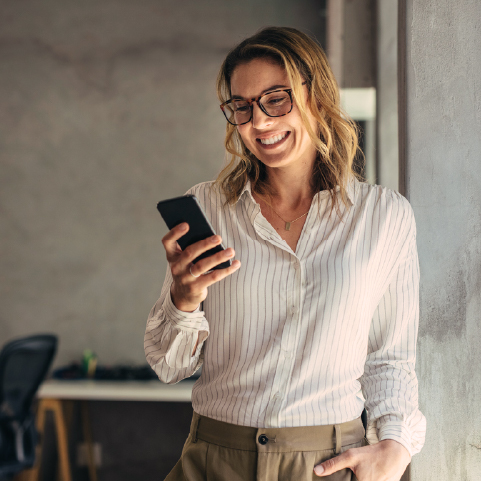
(263, 439)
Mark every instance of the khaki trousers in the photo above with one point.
(218, 451)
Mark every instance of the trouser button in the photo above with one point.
(263, 439)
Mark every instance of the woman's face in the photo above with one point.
(276, 141)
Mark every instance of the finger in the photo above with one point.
(207, 264)
(170, 239)
(218, 274)
(343, 461)
(195, 250)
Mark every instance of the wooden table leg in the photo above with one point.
(33, 474)
(54, 405)
(62, 438)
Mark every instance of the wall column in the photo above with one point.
(440, 119)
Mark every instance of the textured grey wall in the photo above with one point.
(359, 44)
(444, 186)
(387, 171)
(106, 108)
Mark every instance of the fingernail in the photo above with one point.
(183, 226)
(215, 239)
(229, 252)
(319, 470)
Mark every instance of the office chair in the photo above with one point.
(23, 365)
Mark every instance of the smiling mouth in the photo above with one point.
(274, 139)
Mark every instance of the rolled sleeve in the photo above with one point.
(183, 320)
(409, 433)
(170, 338)
(389, 382)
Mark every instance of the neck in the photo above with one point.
(290, 189)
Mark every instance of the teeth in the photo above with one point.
(273, 140)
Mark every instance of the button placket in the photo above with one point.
(287, 346)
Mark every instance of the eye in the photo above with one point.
(241, 107)
(276, 99)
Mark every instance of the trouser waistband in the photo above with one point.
(280, 440)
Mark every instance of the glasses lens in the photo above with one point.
(276, 103)
(237, 111)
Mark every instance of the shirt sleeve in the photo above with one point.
(389, 382)
(170, 337)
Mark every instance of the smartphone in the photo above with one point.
(187, 209)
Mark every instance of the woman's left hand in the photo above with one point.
(384, 461)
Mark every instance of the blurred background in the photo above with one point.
(108, 107)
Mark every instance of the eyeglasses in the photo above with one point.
(274, 104)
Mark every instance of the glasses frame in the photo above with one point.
(257, 100)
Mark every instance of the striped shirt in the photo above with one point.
(309, 337)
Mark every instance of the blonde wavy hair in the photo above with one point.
(336, 140)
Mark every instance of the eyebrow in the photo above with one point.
(273, 87)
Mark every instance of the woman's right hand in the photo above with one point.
(188, 290)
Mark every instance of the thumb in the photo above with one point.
(333, 465)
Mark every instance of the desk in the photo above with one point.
(116, 390)
(53, 394)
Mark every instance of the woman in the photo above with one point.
(321, 303)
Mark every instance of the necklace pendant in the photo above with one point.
(288, 226)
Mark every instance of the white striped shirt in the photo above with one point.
(291, 338)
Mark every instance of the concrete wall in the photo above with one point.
(443, 183)
(351, 42)
(387, 165)
(359, 44)
(106, 108)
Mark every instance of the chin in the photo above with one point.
(276, 162)
(273, 159)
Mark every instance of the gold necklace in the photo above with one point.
(288, 224)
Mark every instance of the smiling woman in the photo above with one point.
(300, 65)
(275, 140)
(320, 303)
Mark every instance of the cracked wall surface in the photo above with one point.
(444, 188)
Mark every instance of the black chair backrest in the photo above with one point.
(23, 365)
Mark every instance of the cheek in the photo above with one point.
(304, 133)
(244, 136)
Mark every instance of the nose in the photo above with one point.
(259, 118)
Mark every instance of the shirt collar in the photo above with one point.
(351, 191)
(246, 191)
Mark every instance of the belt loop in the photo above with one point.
(338, 438)
(195, 426)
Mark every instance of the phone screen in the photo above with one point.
(187, 209)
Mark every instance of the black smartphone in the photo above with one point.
(187, 209)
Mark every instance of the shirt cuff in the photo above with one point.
(383, 429)
(397, 430)
(187, 321)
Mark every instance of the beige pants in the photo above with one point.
(218, 451)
